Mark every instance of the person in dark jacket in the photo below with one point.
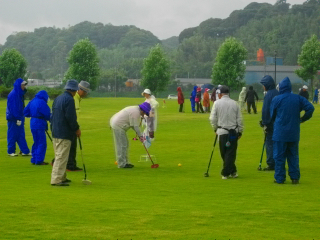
(180, 99)
(193, 99)
(198, 100)
(250, 100)
(285, 112)
(304, 92)
(315, 97)
(63, 127)
(270, 87)
(15, 119)
(39, 112)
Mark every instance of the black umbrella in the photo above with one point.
(207, 85)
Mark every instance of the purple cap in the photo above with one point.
(145, 107)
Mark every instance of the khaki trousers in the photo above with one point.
(121, 144)
(61, 151)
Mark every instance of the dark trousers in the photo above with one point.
(181, 107)
(199, 107)
(72, 163)
(228, 155)
(253, 104)
(283, 151)
(269, 149)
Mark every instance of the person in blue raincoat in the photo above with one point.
(193, 99)
(315, 98)
(39, 112)
(285, 111)
(15, 119)
(271, 91)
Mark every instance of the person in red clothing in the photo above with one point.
(180, 99)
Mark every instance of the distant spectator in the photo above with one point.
(315, 98)
(180, 99)
(206, 100)
(304, 92)
(198, 100)
(250, 100)
(242, 96)
(193, 99)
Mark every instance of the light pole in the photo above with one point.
(275, 67)
(115, 82)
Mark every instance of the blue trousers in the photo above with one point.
(283, 151)
(193, 105)
(15, 135)
(269, 150)
(39, 146)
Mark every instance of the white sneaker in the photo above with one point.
(224, 177)
(12, 154)
(235, 175)
(29, 154)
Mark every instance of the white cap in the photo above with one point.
(24, 83)
(305, 87)
(147, 91)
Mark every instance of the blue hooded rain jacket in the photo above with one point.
(39, 112)
(193, 98)
(285, 111)
(14, 112)
(270, 87)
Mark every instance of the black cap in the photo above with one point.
(224, 89)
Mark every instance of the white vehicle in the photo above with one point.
(172, 96)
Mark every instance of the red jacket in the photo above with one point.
(180, 96)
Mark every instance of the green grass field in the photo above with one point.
(170, 202)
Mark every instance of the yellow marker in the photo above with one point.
(179, 165)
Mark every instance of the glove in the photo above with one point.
(141, 139)
(261, 125)
(18, 123)
(265, 129)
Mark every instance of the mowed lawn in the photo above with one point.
(170, 202)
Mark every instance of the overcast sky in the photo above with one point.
(164, 18)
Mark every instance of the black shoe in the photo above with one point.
(278, 182)
(128, 165)
(294, 181)
(268, 169)
(61, 184)
(66, 181)
(75, 169)
(43, 163)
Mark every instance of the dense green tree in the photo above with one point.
(229, 68)
(12, 66)
(309, 60)
(83, 61)
(156, 70)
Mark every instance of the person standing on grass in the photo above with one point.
(64, 126)
(120, 123)
(250, 100)
(270, 87)
(198, 100)
(315, 98)
(151, 121)
(206, 100)
(39, 112)
(213, 95)
(193, 99)
(304, 92)
(226, 120)
(242, 97)
(285, 112)
(180, 99)
(15, 119)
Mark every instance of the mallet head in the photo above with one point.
(86, 182)
(259, 168)
(206, 174)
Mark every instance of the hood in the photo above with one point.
(43, 95)
(179, 89)
(285, 86)
(244, 89)
(198, 89)
(195, 88)
(17, 86)
(268, 82)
